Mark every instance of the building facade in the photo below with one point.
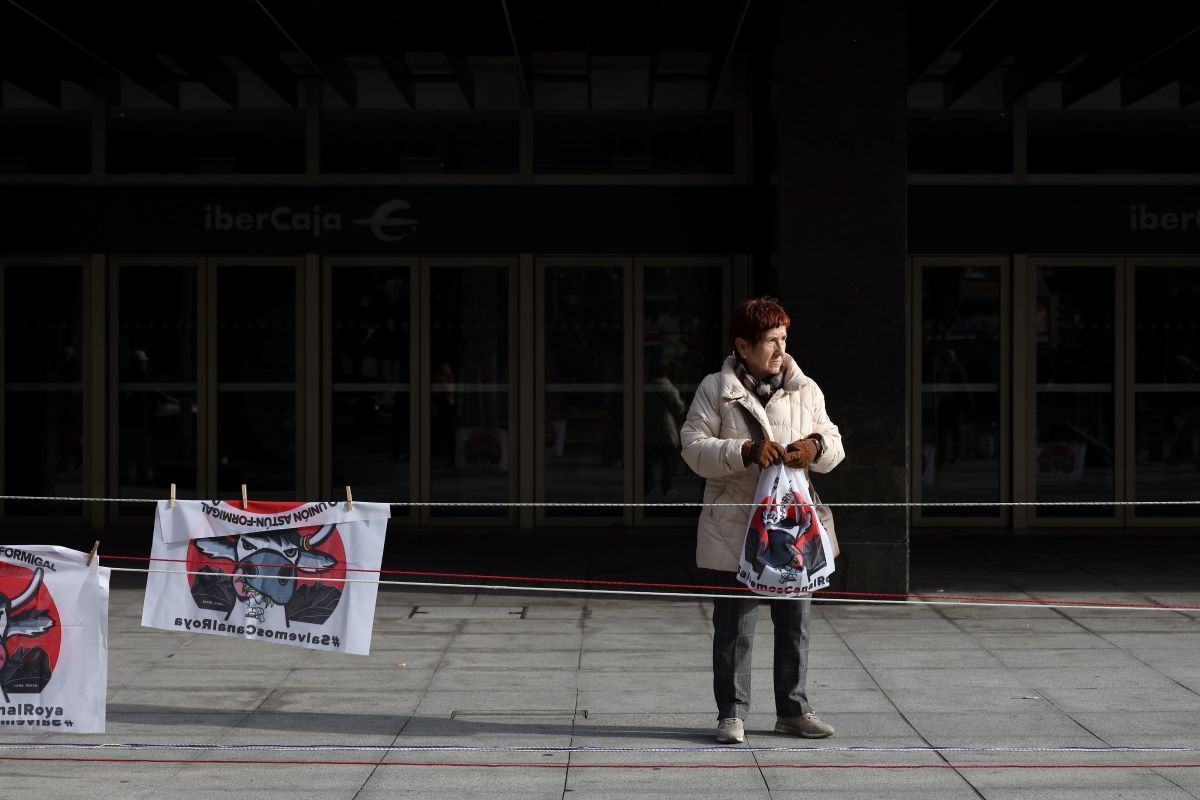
(491, 264)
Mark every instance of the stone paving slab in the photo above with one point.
(633, 673)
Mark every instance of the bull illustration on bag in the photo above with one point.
(266, 568)
(784, 537)
(30, 623)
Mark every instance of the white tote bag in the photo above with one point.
(787, 551)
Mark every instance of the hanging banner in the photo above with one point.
(53, 640)
(787, 550)
(302, 574)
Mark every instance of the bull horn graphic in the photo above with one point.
(321, 535)
(30, 591)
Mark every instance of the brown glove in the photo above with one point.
(763, 453)
(801, 453)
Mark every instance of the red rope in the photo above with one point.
(730, 589)
(539, 765)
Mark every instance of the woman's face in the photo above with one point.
(764, 357)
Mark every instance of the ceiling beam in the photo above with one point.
(243, 37)
(401, 75)
(304, 35)
(936, 26)
(1066, 30)
(988, 43)
(722, 57)
(519, 55)
(1138, 43)
(111, 48)
(439, 13)
(1176, 63)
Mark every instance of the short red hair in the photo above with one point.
(753, 318)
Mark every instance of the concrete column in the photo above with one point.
(842, 75)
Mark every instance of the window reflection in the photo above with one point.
(43, 403)
(1167, 389)
(681, 343)
(256, 369)
(157, 390)
(960, 388)
(470, 456)
(584, 388)
(1075, 437)
(370, 332)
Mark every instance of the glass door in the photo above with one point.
(961, 389)
(369, 372)
(1165, 390)
(154, 374)
(1077, 450)
(468, 340)
(680, 336)
(41, 387)
(584, 365)
(253, 320)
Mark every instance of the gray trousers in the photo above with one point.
(734, 619)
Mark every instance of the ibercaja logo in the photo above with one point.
(295, 572)
(30, 631)
(785, 538)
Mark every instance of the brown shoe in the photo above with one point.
(807, 725)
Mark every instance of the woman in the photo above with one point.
(759, 410)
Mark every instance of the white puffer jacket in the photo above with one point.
(712, 439)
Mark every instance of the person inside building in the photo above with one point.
(759, 410)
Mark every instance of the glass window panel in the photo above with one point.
(1167, 389)
(366, 142)
(157, 442)
(959, 142)
(960, 388)
(584, 369)
(371, 381)
(631, 143)
(216, 142)
(683, 312)
(34, 142)
(1074, 329)
(371, 444)
(470, 451)
(43, 412)
(43, 451)
(256, 444)
(157, 393)
(256, 323)
(1167, 447)
(370, 324)
(1121, 142)
(43, 319)
(256, 368)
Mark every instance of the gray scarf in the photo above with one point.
(764, 389)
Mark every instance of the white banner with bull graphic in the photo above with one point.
(53, 640)
(301, 574)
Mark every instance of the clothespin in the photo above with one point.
(172, 495)
(91, 555)
(245, 502)
(349, 500)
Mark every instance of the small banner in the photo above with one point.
(302, 574)
(787, 550)
(53, 640)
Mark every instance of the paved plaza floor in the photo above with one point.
(509, 694)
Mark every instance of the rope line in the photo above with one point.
(455, 748)
(729, 591)
(589, 504)
(541, 765)
(817, 597)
